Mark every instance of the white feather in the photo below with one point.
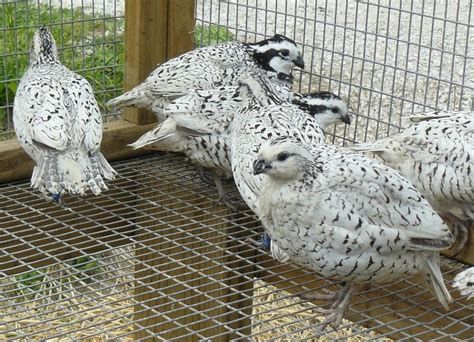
(464, 282)
(58, 123)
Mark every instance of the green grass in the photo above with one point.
(30, 281)
(82, 44)
(211, 35)
(83, 47)
(30, 284)
(86, 264)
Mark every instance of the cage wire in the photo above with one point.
(386, 58)
(90, 39)
(154, 256)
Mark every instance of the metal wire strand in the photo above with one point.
(154, 256)
(163, 259)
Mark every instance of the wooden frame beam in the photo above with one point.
(16, 164)
(155, 31)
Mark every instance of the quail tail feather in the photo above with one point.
(160, 135)
(435, 278)
(427, 116)
(376, 146)
(148, 138)
(45, 176)
(72, 171)
(105, 168)
(132, 98)
(432, 244)
(387, 150)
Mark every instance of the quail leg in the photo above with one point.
(223, 197)
(338, 308)
(329, 295)
(56, 198)
(264, 243)
(461, 234)
(205, 175)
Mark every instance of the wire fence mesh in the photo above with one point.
(154, 256)
(387, 58)
(90, 38)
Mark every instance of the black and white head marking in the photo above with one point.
(278, 53)
(326, 107)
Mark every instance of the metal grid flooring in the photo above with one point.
(154, 256)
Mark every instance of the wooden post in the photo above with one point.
(186, 278)
(145, 41)
(180, 27)
(155, 31)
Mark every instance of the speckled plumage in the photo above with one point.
(265, 116)
(211, 67)
(464, 282)
(347, 216)
(58, 123)
(198, 124)
(436, 154)
(342, 214)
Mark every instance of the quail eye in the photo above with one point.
(285, 53)
(282, 156)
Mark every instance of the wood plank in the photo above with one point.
(180, 27)
(423, 315)
(118, 134)
(155, 31)
(146, 27)
(15, 164)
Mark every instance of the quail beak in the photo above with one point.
(346, 119)
(260, 166)
(299, 62)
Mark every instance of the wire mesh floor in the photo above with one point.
(154, 256)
